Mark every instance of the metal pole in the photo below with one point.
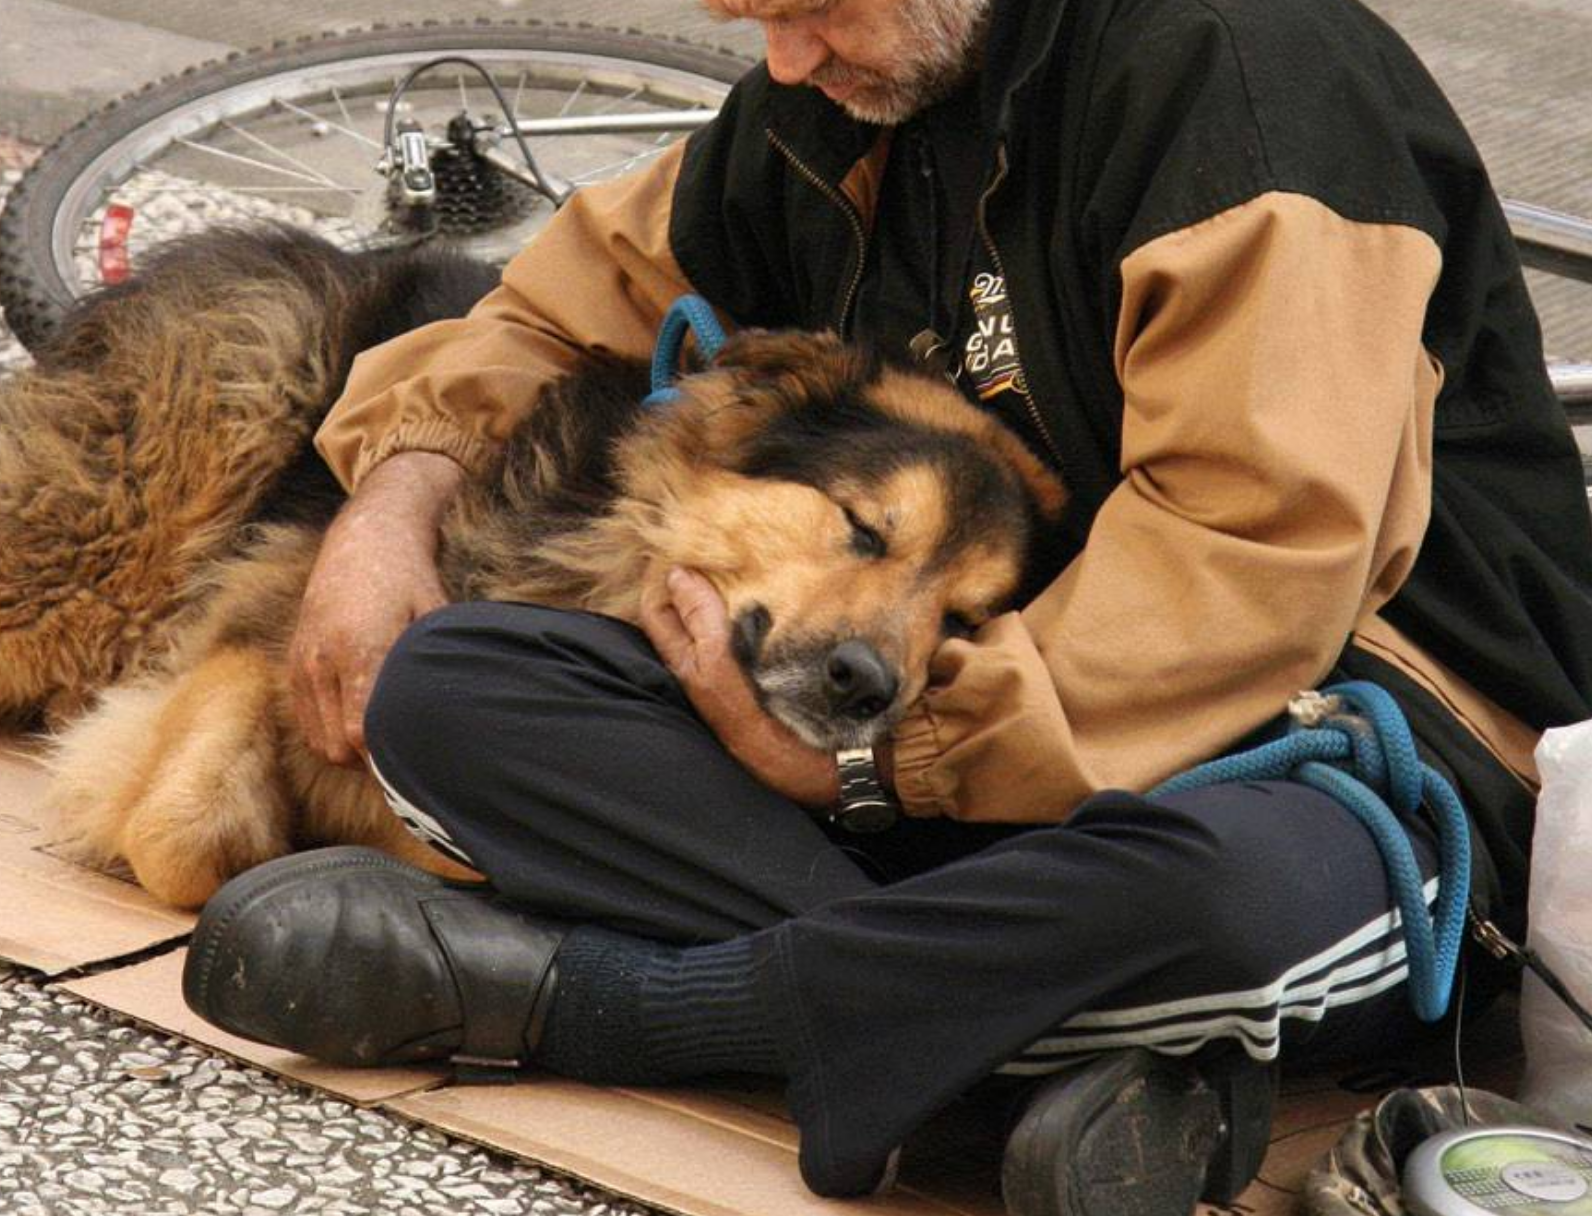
(1573, 383)
(619, 124)
(1551, 240)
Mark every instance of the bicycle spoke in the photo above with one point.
(313, 117)
(620, 101)
(256, 164)
(275, 151)
(569, 101)
(343, 109)
(618, 166)
(224, 191)
(519, 92)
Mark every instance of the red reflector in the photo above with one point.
(114, 264)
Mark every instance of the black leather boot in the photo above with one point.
(352, 957)
(1132, 1133)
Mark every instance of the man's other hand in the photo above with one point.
(689, 626)
(376, 572)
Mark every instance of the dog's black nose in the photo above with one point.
(859, 682)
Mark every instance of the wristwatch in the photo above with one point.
(864, 807)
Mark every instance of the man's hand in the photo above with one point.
(376, 572)
(690, 628)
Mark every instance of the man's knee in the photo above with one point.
(419, 666)
(1250, 877)
(473, 671)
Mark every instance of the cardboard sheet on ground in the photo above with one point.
(702, 1152)
(59, 916)
(151, 992)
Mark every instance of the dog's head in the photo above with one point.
(853, 516)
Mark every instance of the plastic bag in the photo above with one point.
(1558, 1077)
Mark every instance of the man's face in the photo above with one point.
(879, 60)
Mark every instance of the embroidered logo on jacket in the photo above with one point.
(989, 357)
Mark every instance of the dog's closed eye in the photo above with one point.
(957, 625)
(865, 541)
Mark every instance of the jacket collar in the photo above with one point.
(1022, 34)
(825, 138)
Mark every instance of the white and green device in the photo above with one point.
(1500, 1171)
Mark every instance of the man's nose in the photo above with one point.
(794, 50)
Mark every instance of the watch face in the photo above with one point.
(865, 818)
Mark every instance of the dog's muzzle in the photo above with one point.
(859, 683)
(839, 695)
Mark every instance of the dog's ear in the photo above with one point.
(802, 366)
(755, 378)
(1046, 489)
(761, 376)
(922, 401)
(778, 350)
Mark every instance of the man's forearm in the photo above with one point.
(376, 572)
(408, 492)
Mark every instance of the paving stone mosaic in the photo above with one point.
(102, 1118)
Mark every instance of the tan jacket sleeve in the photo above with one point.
(1276, 458)
(598, 278)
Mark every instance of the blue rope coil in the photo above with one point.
(688, 314)
(1366, 759)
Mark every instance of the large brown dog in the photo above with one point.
(160, 509)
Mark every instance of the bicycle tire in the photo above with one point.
(35, 293)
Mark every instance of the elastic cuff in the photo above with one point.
(443, 438)
(915, 750)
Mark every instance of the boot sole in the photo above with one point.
(1136, 1134)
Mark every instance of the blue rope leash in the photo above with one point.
(688, 314)
(1354, 744)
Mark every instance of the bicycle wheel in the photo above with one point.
(292, 133)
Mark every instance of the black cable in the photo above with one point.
(543, 187)
(1459, 1063)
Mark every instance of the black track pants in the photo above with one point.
(556, 753)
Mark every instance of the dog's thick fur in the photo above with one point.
(160, 508)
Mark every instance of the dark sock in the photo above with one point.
(627, 1011)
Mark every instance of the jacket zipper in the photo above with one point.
(1000, 269)
(858, 236)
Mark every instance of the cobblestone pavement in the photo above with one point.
(102, 1118)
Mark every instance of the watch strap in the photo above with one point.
(864, 806)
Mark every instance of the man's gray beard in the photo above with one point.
(945, 43)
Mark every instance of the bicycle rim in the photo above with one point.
(292, 135)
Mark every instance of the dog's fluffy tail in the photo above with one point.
(167, 415)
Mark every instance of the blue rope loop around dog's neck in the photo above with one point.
(1351, 741)
(688, 314)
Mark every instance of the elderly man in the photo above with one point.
(1234, 270)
